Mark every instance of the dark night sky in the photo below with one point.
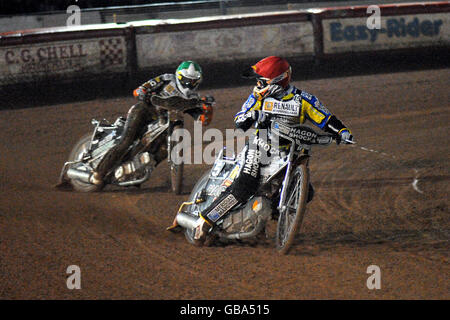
(28, 6)
(11, 7)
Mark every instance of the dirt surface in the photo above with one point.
(365, 211)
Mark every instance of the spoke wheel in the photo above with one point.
(291, 218)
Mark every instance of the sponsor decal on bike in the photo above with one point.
(215, 189)
(231, 177)
(227, 183)
(223, 207)
(234, 173)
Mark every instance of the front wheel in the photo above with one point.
(290, 220)
(176, 170)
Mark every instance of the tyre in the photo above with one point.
(176, 170)
(77, 152)
(189, 233)
(290, 221)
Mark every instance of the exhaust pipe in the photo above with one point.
(187, 221)
(79, 175)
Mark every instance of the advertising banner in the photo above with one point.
(396, 32)
(225, 44)
(62, 59)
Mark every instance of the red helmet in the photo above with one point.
(271, 70)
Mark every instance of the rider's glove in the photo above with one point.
(259, 116)
(207, 114)
(345, 137)
(140, 93)
(209, 100)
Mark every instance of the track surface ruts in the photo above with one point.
(365, 212)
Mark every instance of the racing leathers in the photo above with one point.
(289, 106)
(144, 112)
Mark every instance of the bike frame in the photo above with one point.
(286, 180)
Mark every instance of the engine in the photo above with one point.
(139, 162)
(252, 216)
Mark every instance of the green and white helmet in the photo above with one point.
(188, 76)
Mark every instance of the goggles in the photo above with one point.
(262, 82)
(188, 82)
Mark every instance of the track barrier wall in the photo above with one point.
(97, 51)
(403, 26)
(227, 39)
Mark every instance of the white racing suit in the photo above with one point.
(292, 106)
(141, 114)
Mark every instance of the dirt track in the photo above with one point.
(365, 211)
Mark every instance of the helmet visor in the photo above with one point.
(188, 82)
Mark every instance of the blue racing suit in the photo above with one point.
(291, 106)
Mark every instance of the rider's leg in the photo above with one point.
(137, 117)
(238, 192)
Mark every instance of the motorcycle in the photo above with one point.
(142, 155)
(282, 194)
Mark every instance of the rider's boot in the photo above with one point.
(96, 178)
(202, 229)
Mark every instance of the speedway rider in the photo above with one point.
(183, 84)
(272, 91)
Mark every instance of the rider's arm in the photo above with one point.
(243, 119)
(150, 86)
(315, 111)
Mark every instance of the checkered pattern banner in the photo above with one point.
(111, 52)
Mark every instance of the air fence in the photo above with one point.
(96, 51)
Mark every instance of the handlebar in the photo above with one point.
(326, 139)
(301, 134)
(174, 103)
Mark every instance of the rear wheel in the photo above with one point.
(176, 170)
(77, 153)
(189, 234)
(290, 220)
